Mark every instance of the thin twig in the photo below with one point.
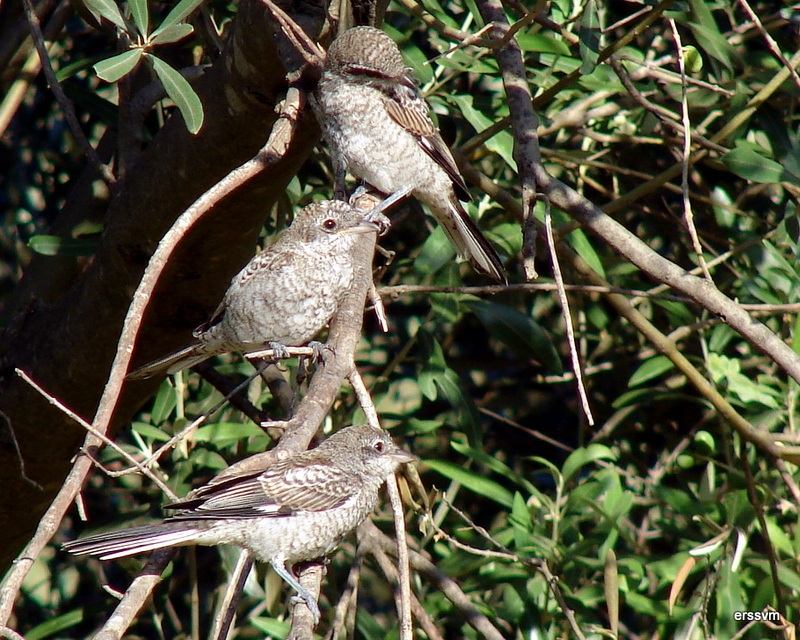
(364, 398)
(227, 609)
(396, 291)
(758, 507)
(404, 577)
(570, 331)
(688, 215)
(18, 451)
(135, 464)
(373, 547)
(135, 596)
(773, 47)
(466, 610)
(64, 102)
(348, 600)
(312, 53)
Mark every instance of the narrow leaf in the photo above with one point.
(583, 456)
(172, 34)
(680, 580)
(56, 625)
(519, 332)
(181, 93)
(474, 482)
(178, 14)
(106, 9)
(649, 369)
(115, 68)
(748, 164)
(705, 29)
(453, 391)
(589, 34)
(56, 246)
(611, 589)
(141, 16)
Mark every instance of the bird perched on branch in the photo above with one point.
(378, 126)
(286, 294)
(296, 510)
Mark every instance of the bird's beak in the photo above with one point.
(365, 226)
(404, 457)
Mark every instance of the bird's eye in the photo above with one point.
(329, 224)
(379, 446)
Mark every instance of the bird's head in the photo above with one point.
(367, 54)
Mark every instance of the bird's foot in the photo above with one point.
(308, 599)
(318, 350)
(303, 594)
(279, 351)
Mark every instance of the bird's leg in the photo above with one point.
(377, 304)
(317, 356)
(304, 594)
(339, 174)
(280, 352)
(318, 350)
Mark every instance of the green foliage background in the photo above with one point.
(658, 506)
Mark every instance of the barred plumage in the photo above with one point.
(297, 509)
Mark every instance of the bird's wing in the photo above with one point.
(281, 490)
(411, 113)
(265, 261)
(215, 319)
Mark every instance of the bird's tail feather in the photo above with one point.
(473, 245)
(127, 542)
(172, 363)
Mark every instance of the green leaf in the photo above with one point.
(181, 93)
(750, 165)
(165, 402)
(55, 246)
(55, 625)
(520, 517)
(519, 332)
(583, 456)
(708, 35)
(427, 385)
(112, 69)
(493, 463)
(149, 431)
(436, 253)
(507, 236)
(432, 350)
(106, 9)
(580, 242)
(649, 369)
(472, 481)
(452, 390)
(172, 34)
(502, 143)
(542, 43)
(141, 16)
(178, 14)
(272, 627)
(728, 371)
(224, 434)
(589, 34)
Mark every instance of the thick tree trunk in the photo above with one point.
(68, 342)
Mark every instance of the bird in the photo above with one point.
(295, 510)
(378, 125)
(286, 294)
